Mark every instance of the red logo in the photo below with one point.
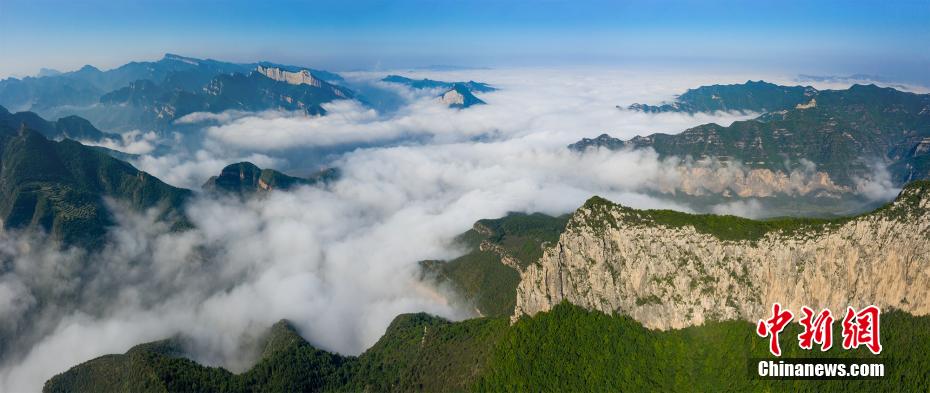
(819, 329)
(859, 328)
(773, 326)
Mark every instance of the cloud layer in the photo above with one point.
(341, 260)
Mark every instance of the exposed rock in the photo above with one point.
(294, 78)
(302, 77)
(713, 179)
(459, 97)
(452, 97)
(671, 275)
(811, 104)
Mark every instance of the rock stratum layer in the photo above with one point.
(672, 270)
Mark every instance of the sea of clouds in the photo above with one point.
(340, 260)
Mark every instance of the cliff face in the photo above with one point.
(302, 77)
(459, 96)
(672, 270)
(715, 178)
(293, 78)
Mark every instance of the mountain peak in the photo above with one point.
(459, 96)
(43, 72)
(174, 57)
(245, 178)
(866, 87)
(281, 336)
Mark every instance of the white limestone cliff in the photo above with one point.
(302, 77)
(616, 259)
(452, 97)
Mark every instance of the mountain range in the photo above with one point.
(472, 86)
(150, 95)
(71, 127)
(454, 94)
(751, 96)
(808, 142)
(59, 187)
(605, 297)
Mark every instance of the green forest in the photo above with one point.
(566, 349)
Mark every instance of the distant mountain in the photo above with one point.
(157, 106)
(59, 187)
(327, 76)
(72, 127)
(449, 67)
(841, 78)
(472, 86)
(748, 97)
(47, 72)
(459, 97)
(841, 132)
(171, 83)
(245, 179)
(85, 86)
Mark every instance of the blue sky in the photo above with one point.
(888, 38)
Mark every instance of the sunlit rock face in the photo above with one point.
(671, 275)
(452, 97)
(302, 77)
(459, 96)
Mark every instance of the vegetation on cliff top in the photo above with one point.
(733, 228)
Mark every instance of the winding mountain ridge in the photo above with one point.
(837, 139)
(671, 270)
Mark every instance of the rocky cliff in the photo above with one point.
(671, 270)
(294, 78)
(459, 97)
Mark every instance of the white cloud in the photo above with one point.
(877, 186)
(339, 261)
(749, 208)
(132, 142)
(558, 107)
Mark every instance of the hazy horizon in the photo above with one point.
(835, 38)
